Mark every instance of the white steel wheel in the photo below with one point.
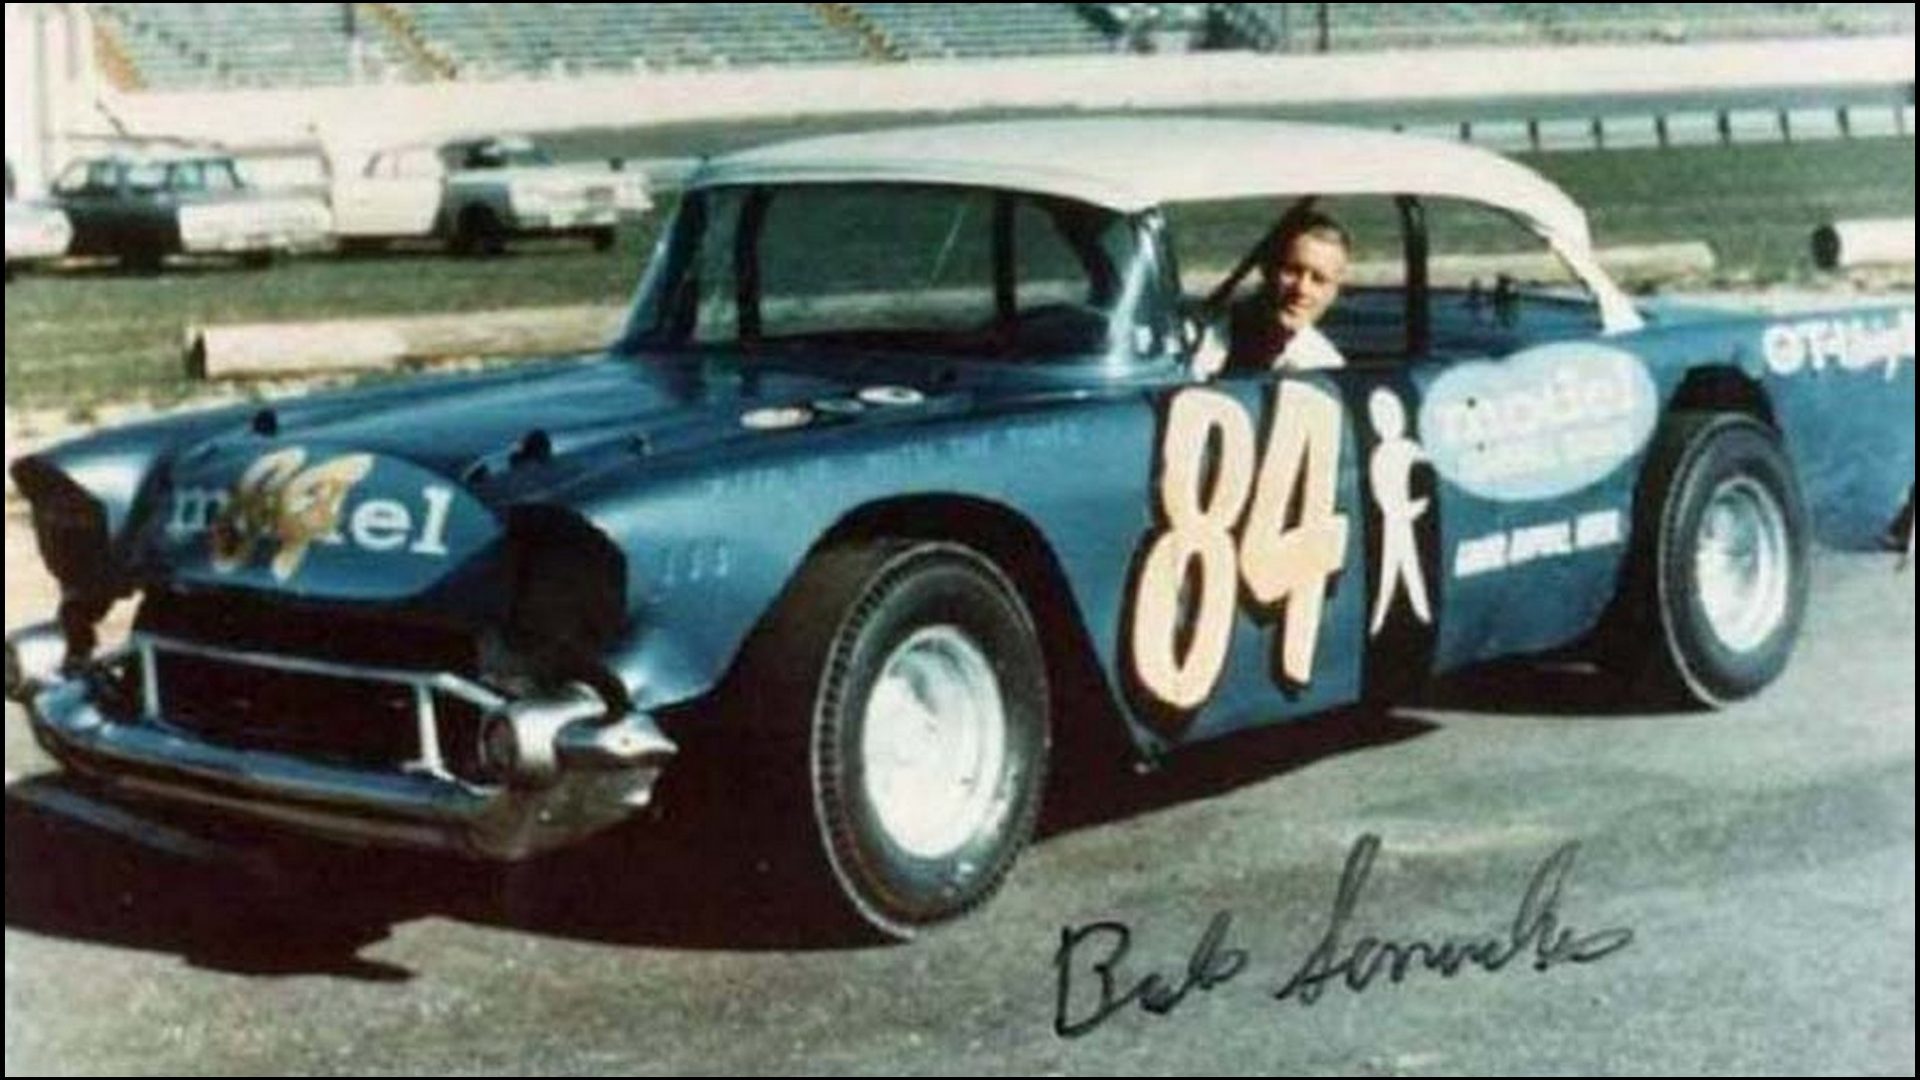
(1721, 561)
(1742, 563)
(928, 744)
(934, 743)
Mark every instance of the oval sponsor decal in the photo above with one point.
(1542, 423)
(341, 524)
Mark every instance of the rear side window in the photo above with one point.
(1497, 285)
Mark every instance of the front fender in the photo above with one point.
(118, 469)
(710, 550)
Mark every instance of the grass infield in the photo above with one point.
(80, 337)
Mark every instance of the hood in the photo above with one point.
(474, 430)
(390, 493)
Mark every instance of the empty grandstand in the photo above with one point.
(207, 46)
(175, 46)
(1326, 27)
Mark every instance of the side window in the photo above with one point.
(1367, 321)
(1045, 263)
(186, 177)
(486, 155)
(1069, 267)
(103, 178)
(1497, 285)
(146, 179)
(221, 176)
(74, 179)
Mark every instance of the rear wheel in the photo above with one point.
(1725, 577)
(478, 231)
(921, 703)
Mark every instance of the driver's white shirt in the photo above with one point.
(1309, 350)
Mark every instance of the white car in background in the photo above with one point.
(477, 194)
(35, 232)
(142, 208)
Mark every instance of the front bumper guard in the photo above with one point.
(603, 768)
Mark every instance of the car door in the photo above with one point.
(398, 194)
(1308, 493)
(1249, 595)
(89, 193)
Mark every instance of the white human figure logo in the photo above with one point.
(1391, 472)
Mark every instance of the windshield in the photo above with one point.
(948, 270)
(504, 155)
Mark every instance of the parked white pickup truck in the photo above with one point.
(476, 194)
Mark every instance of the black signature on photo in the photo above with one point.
(1091, 988)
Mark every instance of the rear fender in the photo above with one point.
(1841, 388)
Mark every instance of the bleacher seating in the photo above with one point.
(499, 39)
(195, 46)
(177, 46)
(1355, 27)
(927, 31)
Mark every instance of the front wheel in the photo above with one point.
(479, 232)
(926, 726)
(1727, 573)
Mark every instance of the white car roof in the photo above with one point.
(1130, 164)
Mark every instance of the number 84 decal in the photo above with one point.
(1270, 523)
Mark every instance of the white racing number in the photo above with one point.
(1293, 539)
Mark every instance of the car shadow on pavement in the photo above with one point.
(236, 899)
(242, 900)
(222, 906)
(1548, 688)
(1096, 782)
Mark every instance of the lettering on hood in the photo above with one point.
(286, 505)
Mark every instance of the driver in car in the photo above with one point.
(1275, 329)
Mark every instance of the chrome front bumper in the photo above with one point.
(588, 770)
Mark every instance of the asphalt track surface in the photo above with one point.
(1729, 893)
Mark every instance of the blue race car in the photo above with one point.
(913, 435)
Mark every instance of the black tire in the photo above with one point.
(257, 260)
(861, 620)
(1716, 480)
(602, 238)
(479, 232)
